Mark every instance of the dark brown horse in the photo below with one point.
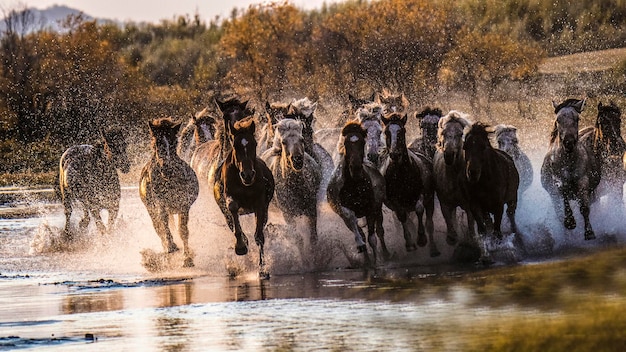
(199, 129)
(243, 184)
(87, 175)
(570, 170)
(357, 190)
(429, 122)
(605, 139)
(409, 182)
(168, 187)
(492, 182)
(393, 102)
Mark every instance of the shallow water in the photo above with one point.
(98, 293)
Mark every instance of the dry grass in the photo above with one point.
(583, 62)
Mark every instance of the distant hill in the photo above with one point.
(51, 17)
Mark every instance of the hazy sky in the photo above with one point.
(155, 10)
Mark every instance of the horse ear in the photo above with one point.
(373, 97)
(353, 101)
(580, 105)
(555, 104)
(599, 105)
(177, 126)
(404, 118)
(385, 119)
(152, 126)
(405, 101)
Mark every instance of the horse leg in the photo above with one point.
(449, 214)
(183, 230)
(113, 210)
(402, 216)
(380, 232)
(477, 213)
(371, 237)
(241, 246)
(67, 204)
(421, 232)
(429, 205)
(84, 221)
(569, 222)
(584, 210)
(511, 208)
(160, 220)
(259, 238)
(95, 214)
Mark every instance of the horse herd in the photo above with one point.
(358, 168)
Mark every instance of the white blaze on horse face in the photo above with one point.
(166, 147)
(354, 139)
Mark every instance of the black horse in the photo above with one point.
(492, 182)
(243, 184)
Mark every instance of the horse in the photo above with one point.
(274, 112)
(605, 139)
(426, 144)
(296, 174)
(409, 183)
(570, 170)
(88, 175)
(506, 138)
(492, 181)
(449, 166)
(357, 190)
(199, 129)
(243, 184)
(168, 186)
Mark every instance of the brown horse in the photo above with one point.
(168, 186)
(409, 182)
(199, 129)
(357, 190)
(296, 174)
(393, 103)
(449, 166)
(426, 144)
(570, 170)
(243, 184)
(605, 139)
(87, 175)
(491, 182)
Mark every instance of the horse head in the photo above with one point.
(395, 134)
(353, 147)
(356, 103)
(303, 110)
(475, 147)
(609, 123)
(288, 141)
(566, 122)
(164, 140)
(428, 121)
(233, 110)
(204, 126)
(369, 116)
(115, 145)
(275, 111)
(244, 149)
(450, 135)
(393, 103)
(506, 137)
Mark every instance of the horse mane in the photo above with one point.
(480, 129)
(394, 117)
(428, 111)
(502, 128)
(609, 108)
(304, 104)
(164, 122)
(245, 123)
(282, 125)
(351, 127)
(458, 116)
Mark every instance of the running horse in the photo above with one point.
(243, 184)
(199, 129)
(87, 175)
(168, 186)
(357, 190)
(409, 182)
(506, 138)
(570, 170)
(296, 174)
(605, 139)
(449, 166)
(491, 183)
(426, 144)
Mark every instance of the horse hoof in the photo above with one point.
(411, 247)
(264, 275)
(172, 248)
(485, 261)
(188, 263)
(422, 242)
(451, 240)
(361, 249)
(589, 235)
(241, 247)
(570, 223)
(435, 253)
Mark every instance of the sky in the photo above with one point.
(155, 10)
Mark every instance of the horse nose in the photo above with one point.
(298, 162)
(247, 177)
(569, 142)
(372, 157)
(448, 157)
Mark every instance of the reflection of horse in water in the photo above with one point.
(296, 174)
(168, 186)
(570, 170)
(605, 139)
(491, 182)
(506, 137)
(243, 184)
(199, 129)
(87, 175)
(409, 183)
(357, 190)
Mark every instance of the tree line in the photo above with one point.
(62, 88)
